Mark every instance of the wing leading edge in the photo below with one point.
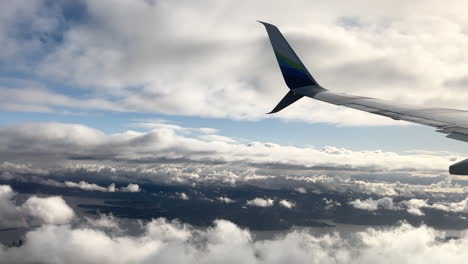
(452, 122)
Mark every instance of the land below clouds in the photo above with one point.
(247, 206)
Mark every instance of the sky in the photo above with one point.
(111, 98)
(88, 63)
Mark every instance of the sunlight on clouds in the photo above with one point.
(161, 240)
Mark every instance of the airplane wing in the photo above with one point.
(452, 122)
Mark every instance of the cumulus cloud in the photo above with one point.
(287, 204)
(131, 187)
(330, 203)
(161, 240)
(372, 205)
(183, 196)
(90, 186)
(461, 206)
(260, 202)
(35, 210)
(83, 185)
(49, 210)
(225, 199)
(104, 222)
(412, 206)
(300, 190)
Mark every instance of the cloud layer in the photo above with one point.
(76, 141)
(172, 154)
(111, 58)
(171, 241)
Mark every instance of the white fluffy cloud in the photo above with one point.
(225, 199)
(49, 210)
(183, 196)
(89, 186)
(260, 202)
(175, 242)
(412, 206)
(301, 190)
(131, 187)
(461, 206)
(35, 210)
(372, 205)
(330, 203)
(108, 51)
(83, 185)
(287, 204)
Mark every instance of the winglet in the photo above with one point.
(288, 99)
(294, 72)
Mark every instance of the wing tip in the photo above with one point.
(266, 24)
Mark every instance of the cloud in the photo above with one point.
(301, 190)
(9, 212)
(90, 186)
(105, 222)
(171, 155)
(49, 210)
(110, 59)
(183, 196)
(330, 203)
(219, 138)
(131, 187)
(287, 204)
(260, 202)
(461, 206)
(167, 231)
(412, 206)
(79, 141)
(35, 210)
(161, 240)
(83, 185)
(226, 200)
(372, 205)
